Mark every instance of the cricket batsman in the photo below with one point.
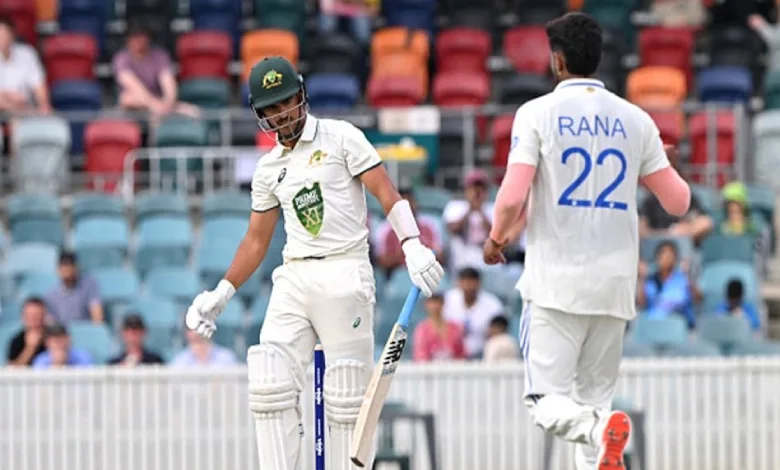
(325, 289)
(580, 151)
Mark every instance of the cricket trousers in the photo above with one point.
(571, 368)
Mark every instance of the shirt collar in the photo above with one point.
(309, 130)
(571, 82)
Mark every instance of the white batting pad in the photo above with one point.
(273, 399)
(565, 418)
(344, 387)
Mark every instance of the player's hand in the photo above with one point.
(425, 271)
(492, 252)
(206, 307)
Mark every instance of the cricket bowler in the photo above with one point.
(325, 290)
(580, 151)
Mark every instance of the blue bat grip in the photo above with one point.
(406, 311)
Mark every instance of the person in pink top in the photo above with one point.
(435, 338)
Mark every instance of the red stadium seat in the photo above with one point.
(463, 49)
(724, 124)
(204, 54)
(671, 124)
(461, 88)
(501, 134)
(527, 49)
(672, 47)
(24, 15)
(107, 143)
(398, 91)
(69, 56)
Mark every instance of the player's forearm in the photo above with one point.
(672, 191)
(510, 201)
(249, 255)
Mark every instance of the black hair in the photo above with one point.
(468, 273)
(34, 300)
(6, 21)
(667, 244)
(500, 322)
(56, 330)
(579, 38)
(68, 257)
(735, 289)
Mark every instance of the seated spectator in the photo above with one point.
(145, 77)
(133, 336)
(388, 251)
(358, 13)
(202, 352)
(436, 338)
(500, 345)
(22, 78)
(735, 304)
(28, 343)
(59, 351)
(472, 308)
(736, 218)
(77, 297)
(668, 290)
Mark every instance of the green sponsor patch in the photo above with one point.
(309, 208)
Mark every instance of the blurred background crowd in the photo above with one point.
(127, 147)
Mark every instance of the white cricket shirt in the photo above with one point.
(317, 186)
(589, 147)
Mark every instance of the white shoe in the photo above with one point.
(614, 439)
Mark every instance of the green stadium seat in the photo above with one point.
(158, 203)
(659, 332)
(762, 198)
(208, 93)
(94, 204)
(35, 218)
(772, 89)
(707, 196)
(95, 338)
(726, 331)
(724, 247)
(181, 131)
(178, 283)
(282, 14)
(614, 15)
(161, 317)
(227, 204)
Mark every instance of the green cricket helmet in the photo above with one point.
(271, 81)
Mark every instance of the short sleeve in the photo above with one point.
(526, 144)
(359, 154)
(263, 199)
(653, 155)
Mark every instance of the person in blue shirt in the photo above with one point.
(59, 351)
(735, 304)
(668, 290)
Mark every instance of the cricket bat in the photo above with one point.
(368, 418)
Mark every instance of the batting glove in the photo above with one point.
(425, 271)
(206, 307)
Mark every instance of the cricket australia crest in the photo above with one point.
(309, 208)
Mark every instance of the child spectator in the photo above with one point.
(735, 304)
(500, 345)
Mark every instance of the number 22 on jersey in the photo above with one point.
(602, 200)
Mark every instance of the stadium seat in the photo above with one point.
(231, 324)
(461, 88)
(498, 282)
(389, 307)
(226, 204)
(724, 84)
(724, 247)
(223, 226)
(154, 204)
(35, 218)
(94, 338)
(614, 15)
(84, 16)
(432, 199)
(724, 124)
(463, 49)
(11, 311)
(501, 135)
(163, 241)
(258, 44)
(735, 46)
(707, 197)
(669, 47)
(521, 88)
(161, 317)
(715, 276)
(333, 92)
(415, 14)
(762, 198)
(671, 124)
(691, 348)
(69, 56)
(79, 96)
(40, 145)
(527, 49)
(24, 258)
(46, 10)
(398, 66)
(393, 40)
(178, 283)
(766, 141)
(213, 260)
(632, 348)
(155, 15)
(772, 89)
(656, 87)
(395, 91)
(204, 54)
(336, 53)
(535, 12)
(37, 285)
(649, 245)
(180, 131)
(218, 17)
(469, 15)
(283, 14)
(107, 142)
(724, 330)
(86, 205)
(101, 242)
(207, 93)
(119, 286)
(257, 311)
(23, 14)
(755, 348)
(659, 332)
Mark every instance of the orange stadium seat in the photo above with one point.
(403, 64)
(656, 87)
(24, 16)
(461, 88)
(672, 47)
(259, 44)
(69, 56)
(399, 39)
(463, 49)
(575, 5)
(107, 143)
(389, 91)
(46, 10)
(501, 134)
(528, 49)
(204, 54)
(671, 124)
(724, 124)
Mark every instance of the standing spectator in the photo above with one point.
(22, 78)
(389, 253)
(358, 13)
(500, 345)
(133, 336)
(735, 304)
(145, 77)
(436, 338)
(59, 351)
(77, 297)
(202, 352)
(667, 291)
(28, 343)
(469, 222)
(472, 308)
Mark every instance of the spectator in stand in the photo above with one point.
(59, 351)
(389, 254)
(146, 78)
(473, 309)
(736, 217)
(133, 336)
(358, 13)
(500, 345)
(435, 338)
(668, 290)
(201, 352)
(28, 343)
(22, 78)
(77, 297)
(469, 222)
(735, 304)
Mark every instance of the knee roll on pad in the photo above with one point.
(344, 387)
(272, 387)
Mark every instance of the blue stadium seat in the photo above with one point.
(163, 241)
(632, 348)
(8, 329)
(180, 284)
(432, 199)
(77, 95)
(208, 93)
(414, 14)
(95, 338)
(218, 15)
(157, 203)
(715, 276)
(256, 317)
(659, 332)
(756, 348)
(45, 143)
(226, 204)
(230, 228)
(724, 84)
(84, 16)
(214, 259)
(37, 285)
(649, 245)
(724, 247)
(35, 218)
(162, 318)
(398, 284)
(706, 196)
(95, 204)
(25, 258)
(181, 131)
(119, 286)
(101, 242)
(724, 330)
(762, 198)
(230, 326)
(693, 348)
(333, 92)
(497, 281)
(389, 308)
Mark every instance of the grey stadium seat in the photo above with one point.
(41, 145)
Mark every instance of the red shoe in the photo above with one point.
(614, 441)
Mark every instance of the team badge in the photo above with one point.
(317, 158)
(272, 79)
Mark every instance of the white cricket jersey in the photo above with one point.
(589, 147)
(317, 186)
